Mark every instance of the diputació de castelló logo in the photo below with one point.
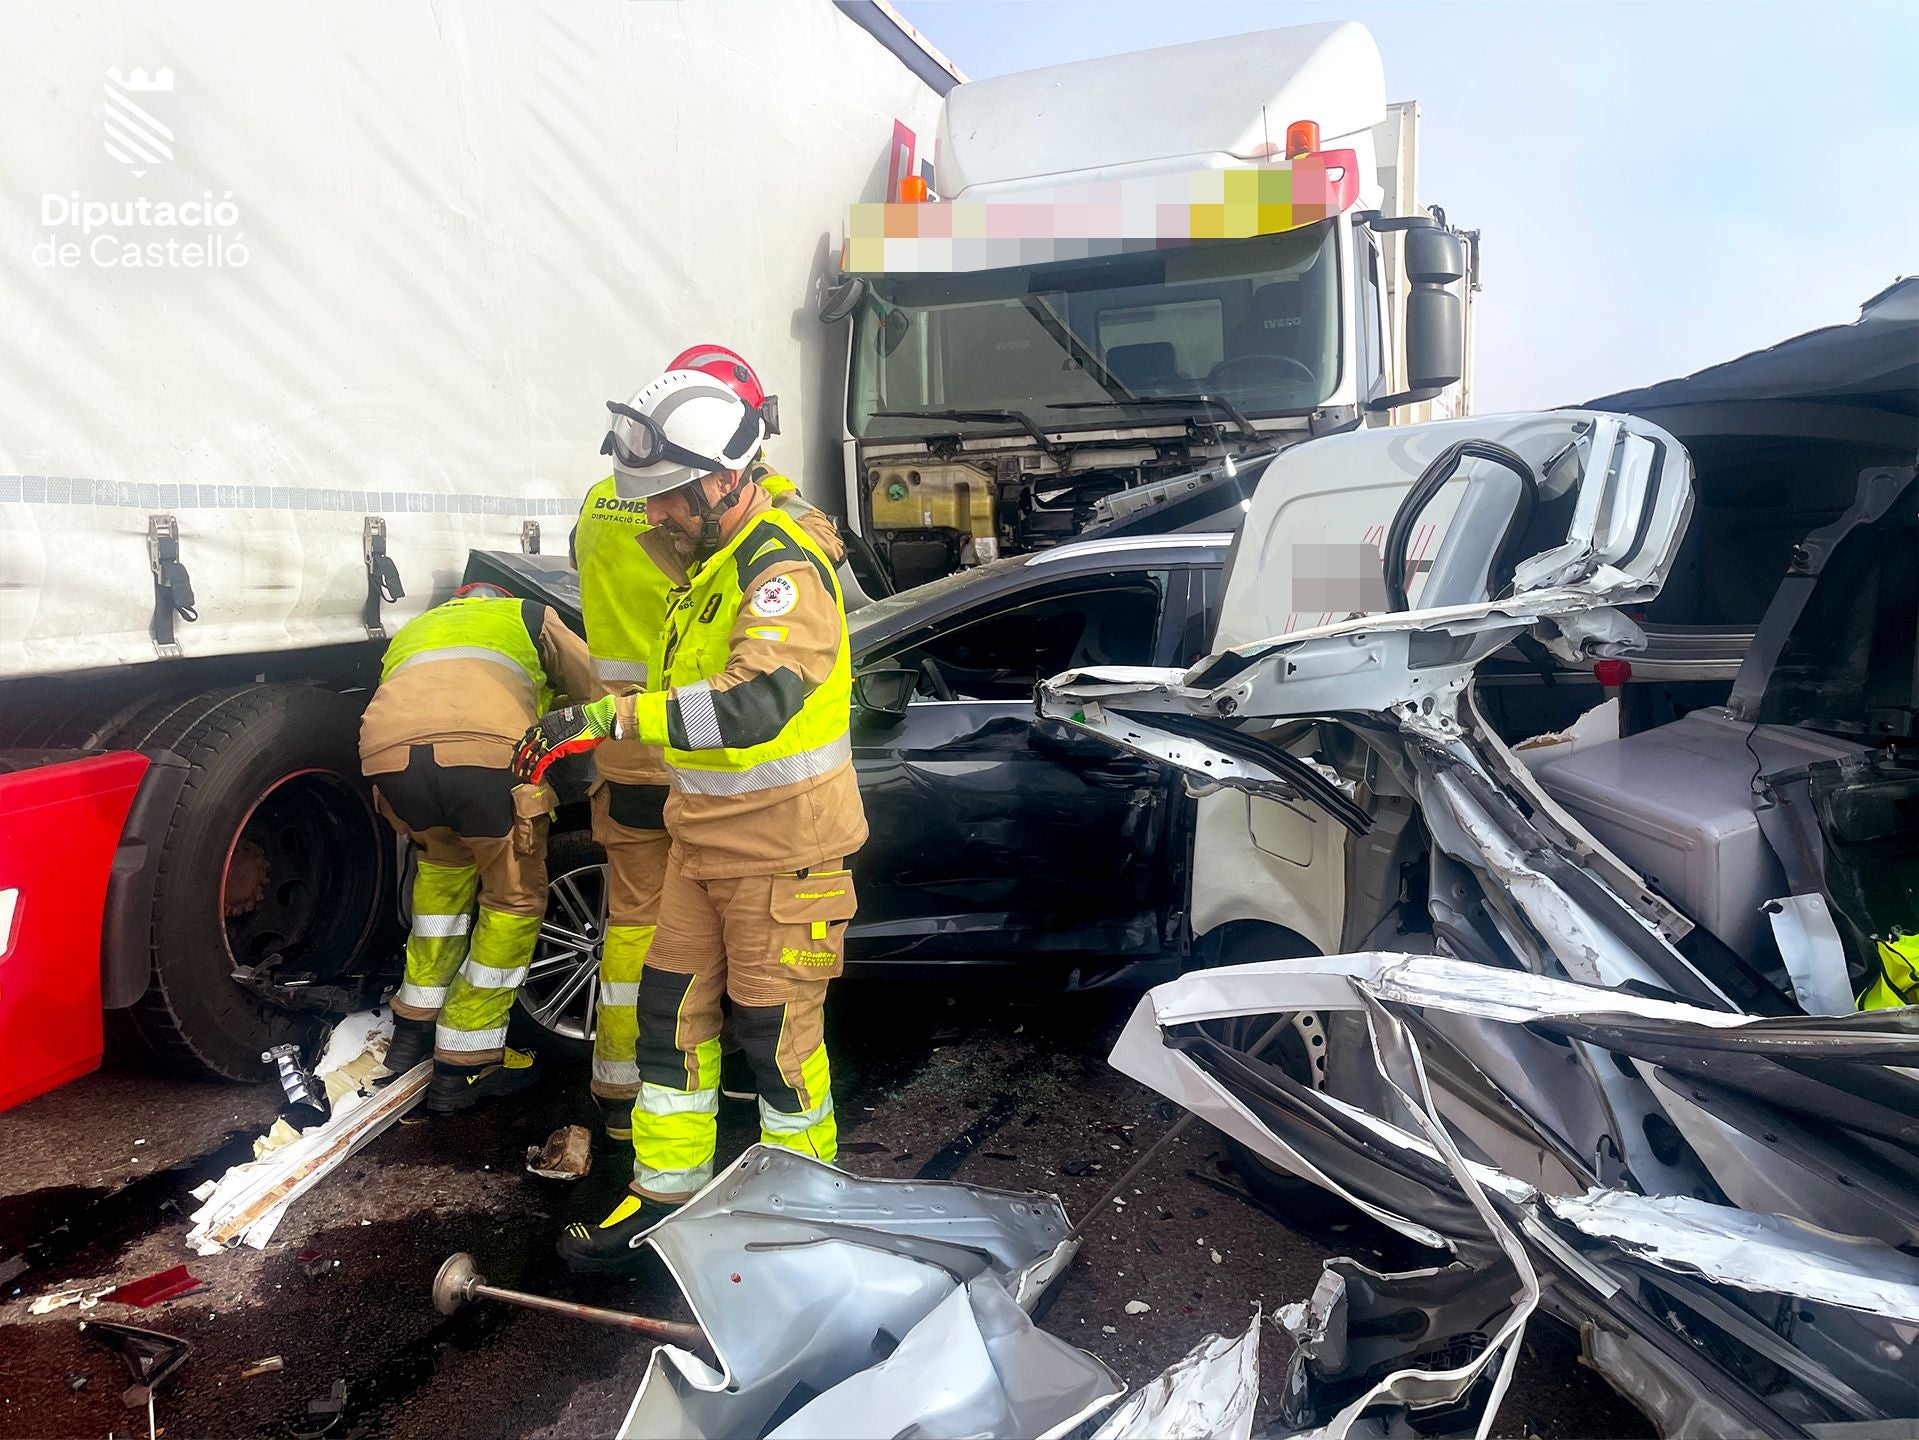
(144, 231)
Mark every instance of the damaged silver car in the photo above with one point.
(1611, 1017)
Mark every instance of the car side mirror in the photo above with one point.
(1435, 315)
(841, 298)
(881, 695)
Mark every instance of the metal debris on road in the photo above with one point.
(1210, 1394)
(567, 1154)
(459, 1283)
(975, 1365)
(246, 1204)
(322, 1414)
(272, 1364)
(794, 1269)
(306, 1097)
(152, 1358)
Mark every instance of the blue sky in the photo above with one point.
(1659, 186)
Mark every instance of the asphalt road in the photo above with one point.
(1013, 1093)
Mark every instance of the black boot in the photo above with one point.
(461, 1087)
(616, 1118)
(412, 1042)
(610, 1245)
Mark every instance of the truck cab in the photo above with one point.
(1118, 298)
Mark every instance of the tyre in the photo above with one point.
(273, 856)
(1297, 1047)
(555, 1009)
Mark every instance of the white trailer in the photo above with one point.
(300, 304)
(1134, 270)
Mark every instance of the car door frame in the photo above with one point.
(896, 944)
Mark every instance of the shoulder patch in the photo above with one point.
(775, 596)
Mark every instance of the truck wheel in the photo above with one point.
(273, 853)
(555, 1009)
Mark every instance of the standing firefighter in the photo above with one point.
(457, 687)
(624, 596)
(752, 708)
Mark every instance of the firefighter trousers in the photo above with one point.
(483, 838)
(770, 943)
(628, 823)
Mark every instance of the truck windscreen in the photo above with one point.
(1073, 343)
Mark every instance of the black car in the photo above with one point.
(999, 843)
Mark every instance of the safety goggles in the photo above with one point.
(641, 442)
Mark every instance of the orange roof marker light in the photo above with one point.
(913, 190)
(1302, 138)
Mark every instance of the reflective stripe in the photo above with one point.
(767, 775)
(620, 992)
(441, 927)
(446, 1038)
(671, 1182)
(665, 1100)
(464, 652)
(487, 977)
(421, 997)
(622, 672)
(699, 715)
(779, 1122)
(616, 1072)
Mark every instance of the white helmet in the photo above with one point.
(677, 428)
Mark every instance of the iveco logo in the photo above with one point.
(1285, 322)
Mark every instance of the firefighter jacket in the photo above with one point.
(467, 677)
(753, 703)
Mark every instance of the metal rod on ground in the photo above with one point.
(459, 1282)
(1173, 1132)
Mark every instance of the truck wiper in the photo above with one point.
(1237, 415)
(1024, 421)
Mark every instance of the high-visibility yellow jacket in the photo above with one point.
(752, 703)
(468, 677)
(623, 600)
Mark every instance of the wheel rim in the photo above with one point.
(561, 991)
(300, 889)
(1298, 1048)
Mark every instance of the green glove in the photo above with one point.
(572, 731)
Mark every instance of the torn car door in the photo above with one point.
(1482, 531)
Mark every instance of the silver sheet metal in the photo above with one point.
(802, 1274)
(1753, 1252)
(977, 1365)
(1210, 1393)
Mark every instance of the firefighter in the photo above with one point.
(457, 687)
(752, 708)
(623, 595)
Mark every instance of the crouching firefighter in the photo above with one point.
(764, 811)
(624, 596)
(457, 688)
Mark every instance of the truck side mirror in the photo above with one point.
(1435, 316)
(881, 695)
(841, 298)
